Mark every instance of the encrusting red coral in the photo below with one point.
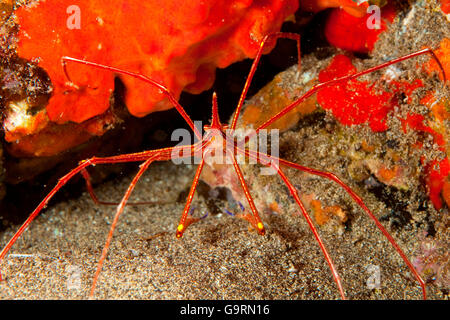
(371, 105)
(443, 54)
(179, 44)
(349, 6)
(445, 6)
(352, 33)
(438, 171)
(446, 191)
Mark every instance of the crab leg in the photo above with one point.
(266, 39)
(139, 76)
(96, 200)
(162, 154)
(254, 219)
(186, 219)
(119, 211)
(313, 228)
(321, 85)
(260, 157)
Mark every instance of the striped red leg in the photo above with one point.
(139, 76)
(265, 159)
(345, 79)
(186, 219)
(162, 154)
(266, 39)
(90, 189)
(142, 168)
(313, 228)
(253, 218)
(119, 211)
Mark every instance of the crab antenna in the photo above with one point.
(215, 123)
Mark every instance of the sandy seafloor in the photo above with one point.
(219, 257)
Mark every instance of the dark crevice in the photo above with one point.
(394, 199)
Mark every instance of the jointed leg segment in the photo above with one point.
(139, 76)
(267, 160)
(253, 218)
(90, 189)
(119, 211)
(267, 39)
(186, 219)
(154, 155)
(147, 157)
(294, 193)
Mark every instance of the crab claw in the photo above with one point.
(183, 226)
(258, 225)
(187, 222)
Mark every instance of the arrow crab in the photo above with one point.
(219, 139)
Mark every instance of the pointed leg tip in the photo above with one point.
(180, 231)
(261, 229)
